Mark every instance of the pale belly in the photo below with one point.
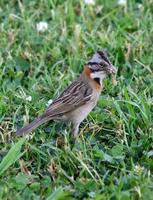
(81, 113)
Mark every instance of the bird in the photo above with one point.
(79, 98)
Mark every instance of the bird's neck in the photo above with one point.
(96, 78)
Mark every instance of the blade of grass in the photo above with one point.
(57, 194)
(12, 156)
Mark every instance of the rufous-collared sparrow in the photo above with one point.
(75, 102)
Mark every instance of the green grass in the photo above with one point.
(113, 157)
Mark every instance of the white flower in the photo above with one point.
(140, 6)
(28, 98)
(42, 27)
(89, 2)
(138, 169)
(49, 102)
(122, 2)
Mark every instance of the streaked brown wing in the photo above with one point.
(77, 94)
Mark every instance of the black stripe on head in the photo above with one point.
(95, 67)
(92, 63)
(104, 56)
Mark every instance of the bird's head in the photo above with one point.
(100, 65)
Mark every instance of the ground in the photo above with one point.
(113, 157)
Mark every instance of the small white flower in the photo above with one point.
(99, 9)
(42, 27)
(92, 194)
(122, 2)
(28, 98)
(89, 2)
(49, 102)
(138, 169)
(140, 6)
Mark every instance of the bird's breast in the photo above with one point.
(80, 113)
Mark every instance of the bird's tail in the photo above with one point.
(34, 124)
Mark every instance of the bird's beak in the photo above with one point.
(112, 70)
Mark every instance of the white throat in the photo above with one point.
(101, 75)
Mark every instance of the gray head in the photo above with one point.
(100, 63)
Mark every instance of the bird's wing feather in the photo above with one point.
(77, 94)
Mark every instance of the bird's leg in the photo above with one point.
(75, 129)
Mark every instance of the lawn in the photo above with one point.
(113, 156)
